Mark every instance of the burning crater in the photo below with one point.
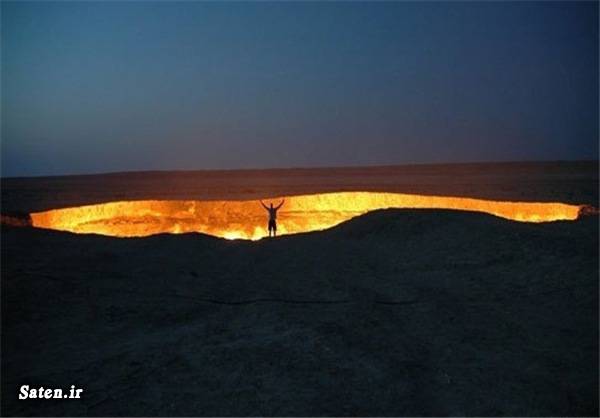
(248, 219)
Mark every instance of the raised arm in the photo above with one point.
(281, 204)
(263, 205)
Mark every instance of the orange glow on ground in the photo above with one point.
(247, 219)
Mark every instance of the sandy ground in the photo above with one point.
(567, 182)
(401, 312)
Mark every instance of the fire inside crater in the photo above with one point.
(248, 220)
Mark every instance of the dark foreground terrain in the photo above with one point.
(401, 312)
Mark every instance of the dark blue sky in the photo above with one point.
(111, 86)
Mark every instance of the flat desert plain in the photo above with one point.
(396, 312)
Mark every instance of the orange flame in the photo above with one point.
(247, 219)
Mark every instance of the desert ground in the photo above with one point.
(394, 313)
(567, 182)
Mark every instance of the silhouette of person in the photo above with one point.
(272, 216)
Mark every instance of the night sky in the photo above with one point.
(111, 86)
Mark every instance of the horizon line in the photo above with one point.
(324, 167)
